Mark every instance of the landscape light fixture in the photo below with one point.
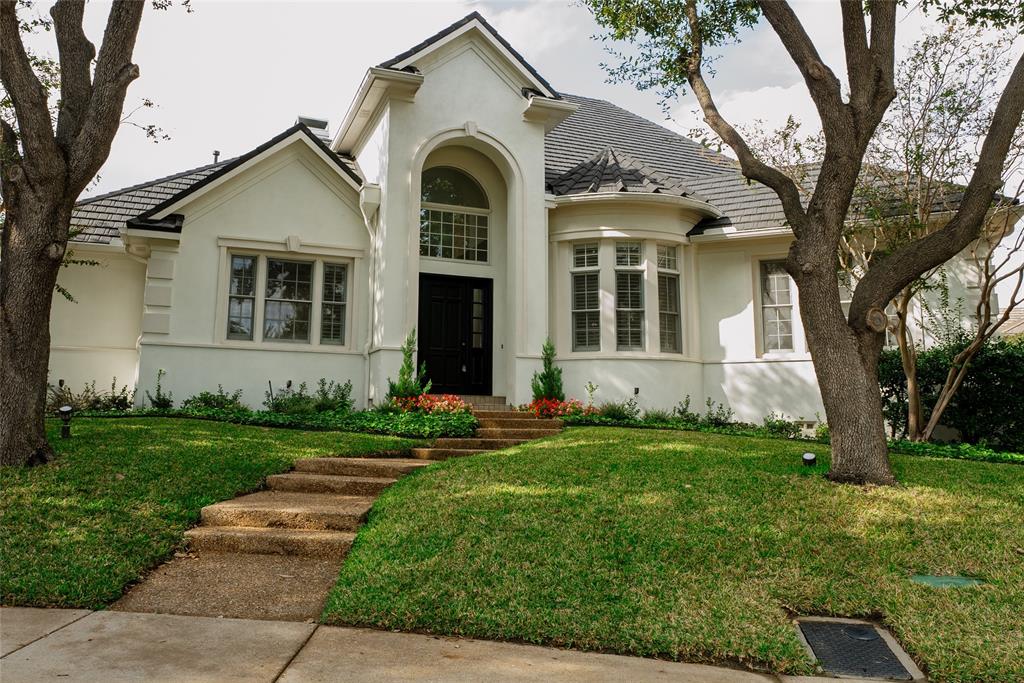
(810, 460)
(65, 418)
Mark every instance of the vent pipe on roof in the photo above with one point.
(216, 155)
(317, 126)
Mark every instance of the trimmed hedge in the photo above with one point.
(411, 424)
(961, 451)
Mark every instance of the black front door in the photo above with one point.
(455, 333)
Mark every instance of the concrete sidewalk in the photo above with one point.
(77, 645)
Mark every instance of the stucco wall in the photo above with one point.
(95, 337)
(291, 205)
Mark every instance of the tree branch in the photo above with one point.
(28, 95)
(76, 55)
(822, 83)
(880, 285)
(114, 72)
(752, 167)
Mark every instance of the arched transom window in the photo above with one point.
(453, 216)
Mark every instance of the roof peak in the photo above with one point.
(611, 170)
(399, 61)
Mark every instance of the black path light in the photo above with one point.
(810, 460)
(65, 418)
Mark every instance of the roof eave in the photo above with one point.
(377, 84)
(548, 111)
(701, 207)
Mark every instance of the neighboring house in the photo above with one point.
(464, 196)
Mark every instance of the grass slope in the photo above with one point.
(74, 533)
(697, 547)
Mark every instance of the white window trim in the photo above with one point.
(641, 269)
(575, 270)
(317, 258)
(799, 350)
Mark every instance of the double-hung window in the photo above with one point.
(629, 297)
(776, 307)
(586, 298)
(274, 299)
(242, 297)
(335, 301)
(669, 323)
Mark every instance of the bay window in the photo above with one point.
(629, 297)
(586, 298)
(669, 310)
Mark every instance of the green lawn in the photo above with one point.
(74, 533)
(697, 547)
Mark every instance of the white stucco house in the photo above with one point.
(463, 196)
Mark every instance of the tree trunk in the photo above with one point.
(846, 365)
(31, 250)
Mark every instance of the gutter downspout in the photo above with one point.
(369, 203)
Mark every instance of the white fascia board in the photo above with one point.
(721, 235)
(638, 198)
(549, 112)
(270, 151)
(475, 25)
(376, 84)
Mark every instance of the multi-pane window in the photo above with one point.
(669, 309)
(776, 307)
(453, 235)
(335, 300)
(627, 253)
(241, 297)
(584, 256)
(629, 310)
(288, 301)
(453, 216)
(586, 300)
(667, 259)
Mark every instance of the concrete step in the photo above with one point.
(484, 444)
(360, 467)
(520, 423)
(275, 509)
(503, 415)
(445, 453)
(261, 541)
(328, 483)
(507, 433)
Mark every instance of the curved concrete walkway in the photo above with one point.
(77, 645)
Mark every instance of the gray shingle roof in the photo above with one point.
(612, 171)
(745, 204)
(100, 218)
(597, 125)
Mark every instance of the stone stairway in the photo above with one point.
(274, 554)
(313, 510)
(500, 427)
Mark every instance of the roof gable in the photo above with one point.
(473, 22)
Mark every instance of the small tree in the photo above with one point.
(548, 382)
(410, 382)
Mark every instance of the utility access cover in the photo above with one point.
(853, 649)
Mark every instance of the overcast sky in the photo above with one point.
(233, 74)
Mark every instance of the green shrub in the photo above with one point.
(625, 411)
(988, 409)
(208, 399)
(89, 398)
(161, 400)
(657, 416)
(683, 413)
(717, 414)
(328, 397)
(410, 382)
(778, 425)
(547, 384)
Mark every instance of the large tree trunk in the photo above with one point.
(32, 250)
(846, 365)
